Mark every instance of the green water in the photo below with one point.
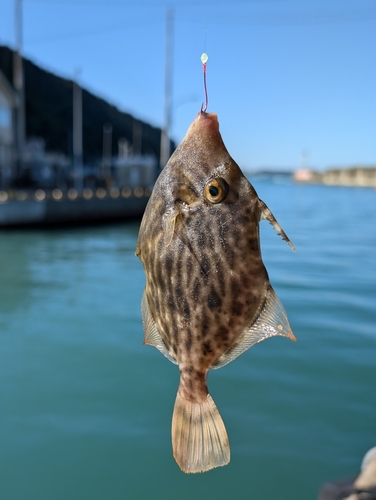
(85, 408)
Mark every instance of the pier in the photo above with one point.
(55, 207)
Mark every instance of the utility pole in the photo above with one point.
(18, 84)
(107, 151)
(165, 133)
(77, 133)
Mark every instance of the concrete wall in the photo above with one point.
(355, 176)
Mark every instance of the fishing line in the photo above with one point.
(204, 60)
(205, 30)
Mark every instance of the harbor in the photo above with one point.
(76, 167)
(86, 407)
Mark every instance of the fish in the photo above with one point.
(207, 296)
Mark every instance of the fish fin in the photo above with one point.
(199, 437)
(169, 226)
(152, 335)
(272, 321)
(138, 250)
(266, 214)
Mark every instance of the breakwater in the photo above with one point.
(353, 176)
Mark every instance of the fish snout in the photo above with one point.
(206, 122)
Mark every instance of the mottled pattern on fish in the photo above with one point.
(206, 284)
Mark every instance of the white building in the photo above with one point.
(7, 134)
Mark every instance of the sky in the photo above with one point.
(293, 81)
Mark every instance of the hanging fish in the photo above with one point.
(207, 297)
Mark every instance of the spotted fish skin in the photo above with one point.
(207, 296)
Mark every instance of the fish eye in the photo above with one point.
(216, 190)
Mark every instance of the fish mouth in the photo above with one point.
(206, 121)
(204, 127)
(212, 117)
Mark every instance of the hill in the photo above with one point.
(49, 113)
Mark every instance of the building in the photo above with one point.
(7, 132)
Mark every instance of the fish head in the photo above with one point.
(201, 174)
(201, 196)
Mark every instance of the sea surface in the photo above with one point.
(85, 408)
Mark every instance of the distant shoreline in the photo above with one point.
(350, 176)
(353, 176)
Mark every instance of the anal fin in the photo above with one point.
(272, 321)
(152, 335)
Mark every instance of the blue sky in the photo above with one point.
(284, 76)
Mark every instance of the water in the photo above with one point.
(85, 408)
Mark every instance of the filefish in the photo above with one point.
(207, 297)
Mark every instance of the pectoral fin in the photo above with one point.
(152, 336)
(266, 214)
(169, 221)
(272, 321)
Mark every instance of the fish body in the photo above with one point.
(207, 296)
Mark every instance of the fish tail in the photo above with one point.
(199, 437)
